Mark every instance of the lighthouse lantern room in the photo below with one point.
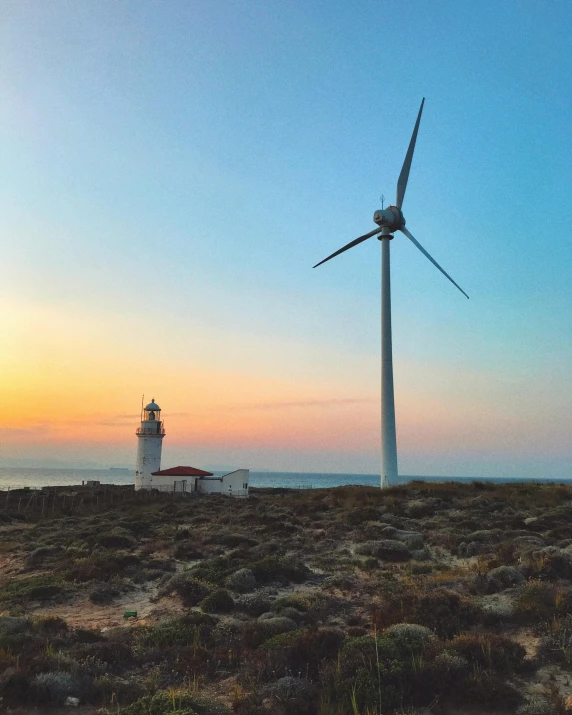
(149, 444)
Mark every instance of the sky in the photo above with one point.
(171, 171)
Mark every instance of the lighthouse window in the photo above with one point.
(151, 415)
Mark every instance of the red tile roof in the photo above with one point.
(182, 472)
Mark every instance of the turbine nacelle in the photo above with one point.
(390, 218)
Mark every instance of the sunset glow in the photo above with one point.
(171, 174)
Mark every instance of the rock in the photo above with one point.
(530, 520)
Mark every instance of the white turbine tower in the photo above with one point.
(388, 221)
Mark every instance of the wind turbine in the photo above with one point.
(388, 221)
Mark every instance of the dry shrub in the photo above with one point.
(101, 567)
(539, 601)
(490, 651)
(255, 634)
(300, 652)
(444, 612)
(487, 689)
(191, 590)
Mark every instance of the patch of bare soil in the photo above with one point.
(529, 641)
(82, 613)
(549, 675)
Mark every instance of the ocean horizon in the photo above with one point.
(37, 477)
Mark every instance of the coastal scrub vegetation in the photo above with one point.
(422, 598)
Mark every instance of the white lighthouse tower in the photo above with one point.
(150, 441)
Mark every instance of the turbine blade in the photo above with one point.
(350, 245)
(434, 262)
(404, 176)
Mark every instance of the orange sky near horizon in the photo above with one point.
(70, 391)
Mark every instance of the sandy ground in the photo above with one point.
(81, 613)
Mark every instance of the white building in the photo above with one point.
(197, 481)
(149, 475)
(149, 444)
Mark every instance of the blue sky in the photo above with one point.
(172, 170)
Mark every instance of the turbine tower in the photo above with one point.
(389, 221)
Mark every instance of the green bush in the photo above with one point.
(386, 549)
(50, 626)
(360, 515)
(115, 655)
(255, 604)
(101, 567)
(291, 695)
(107, 687)
(32, 588)
(42, 554)
(409, 637)
(488, 690)
(160, 704)
(187, 550)
(192, 630)
(232, 540)
(191, 590)
(55, 687)
(219, 601)
(116, 538)
(371, 673)
(215, 570)
(241, 581)
(301, 652)
(172, 703)
(15, 688)
(103, 594)
(254, 634)
(281, 569)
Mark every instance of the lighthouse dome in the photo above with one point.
(152, 406)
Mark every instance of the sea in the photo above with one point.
(35, 478)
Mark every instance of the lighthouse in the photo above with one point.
(150, 441)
